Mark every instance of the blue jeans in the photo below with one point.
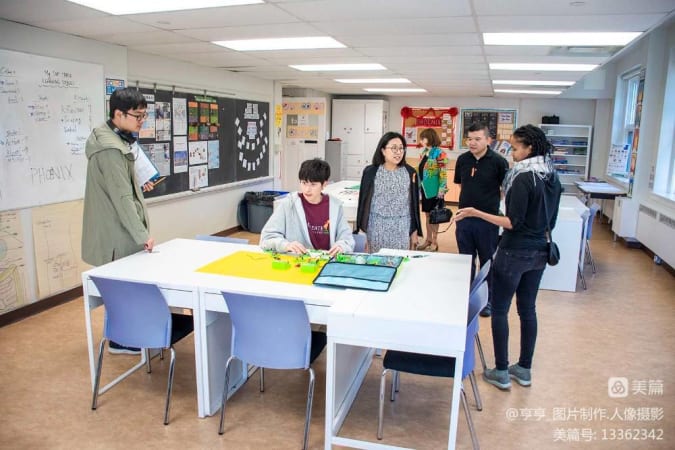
(477, 237)
(516, 272)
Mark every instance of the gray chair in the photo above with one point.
(136, 315)
(481, 276)
(232, 240)
(359, 242)
(273, 333)
(438, 366)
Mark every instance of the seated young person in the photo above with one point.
(309, 219)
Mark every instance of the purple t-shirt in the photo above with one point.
(318, 223)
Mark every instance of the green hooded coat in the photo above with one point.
(115, 222)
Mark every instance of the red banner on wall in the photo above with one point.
(429, 122)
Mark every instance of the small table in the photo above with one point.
(600, 189)
(346, 191)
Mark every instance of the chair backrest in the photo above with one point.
(359, 242)
(269, 332)
(593, 210)
(480, 277)
(136, 314)
(232, 240)
(477, 300)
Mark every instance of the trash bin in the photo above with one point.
(259, 207)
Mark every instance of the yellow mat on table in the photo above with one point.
(258, 266)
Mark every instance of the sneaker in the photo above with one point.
(522, 375)
(499, 378)
(117, 349)
(487, 311)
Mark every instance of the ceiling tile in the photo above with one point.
(96, 26)
(231, 16)
(383, 9)
(417, 40)
(560, 8)
(392, 26)
(31, 11)
(250, 32)
(613, 22)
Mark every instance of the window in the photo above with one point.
(664, 166)
(626, 120)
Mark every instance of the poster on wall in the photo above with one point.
(251, 125)
(441, 120)
(501, 122)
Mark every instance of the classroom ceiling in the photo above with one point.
(436, 44)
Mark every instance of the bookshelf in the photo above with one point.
(571, 152)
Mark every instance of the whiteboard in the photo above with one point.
(48, 107)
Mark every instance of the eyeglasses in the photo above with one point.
(138, 117)
(395, 149)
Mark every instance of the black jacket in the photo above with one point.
(366, 195)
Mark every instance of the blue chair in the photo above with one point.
(136, 315)
(475, 284)
(232, 240)
(272, 333)
(359, 242)
(438, 366)
(593, 210)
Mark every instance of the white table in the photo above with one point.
(408, 317)
(424, 311)
(349, 197)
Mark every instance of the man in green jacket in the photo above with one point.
(115, 222)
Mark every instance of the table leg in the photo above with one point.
(454, 406)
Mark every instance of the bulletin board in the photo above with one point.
(198, 141)
(417, 119)
(501, 122)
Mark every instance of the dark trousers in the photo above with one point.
(519, 272)
(477, 237)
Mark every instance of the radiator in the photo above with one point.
(656, 231)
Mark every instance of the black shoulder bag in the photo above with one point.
(440, 214)
(553, 251)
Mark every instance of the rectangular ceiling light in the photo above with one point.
(558, 39)
(533, 82)
(295, 43)
(335, 67)
(119, 7)
(528, 91)
(394, 90)
(543, 67)
(373, 80)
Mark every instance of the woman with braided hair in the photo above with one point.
(532, 192)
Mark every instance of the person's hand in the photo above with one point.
(335, 250)
(295, 247)
(149, 244)
(147, 187)
(463, 213)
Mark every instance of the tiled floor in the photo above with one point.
(622, 326)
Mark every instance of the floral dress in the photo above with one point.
(389, 220)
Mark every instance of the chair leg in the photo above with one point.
(308, 413)
(169, 386)
(221, 427)
(380, 415)
(583, 279)
(97, 377)
(161, 354)
(262, 378)
(394, 385)
(476, 393)
(469, 421)
(148, 367)
(590, 256)
(480, 353)
(398, 381)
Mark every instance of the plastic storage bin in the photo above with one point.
(259, 207)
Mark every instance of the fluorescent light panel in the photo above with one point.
(567, 39)
(119, 7)
(373, 80)
(527, 91)
(394, 90)
(543, 67)
(336, 67)
(294, 43)
(533, 82)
